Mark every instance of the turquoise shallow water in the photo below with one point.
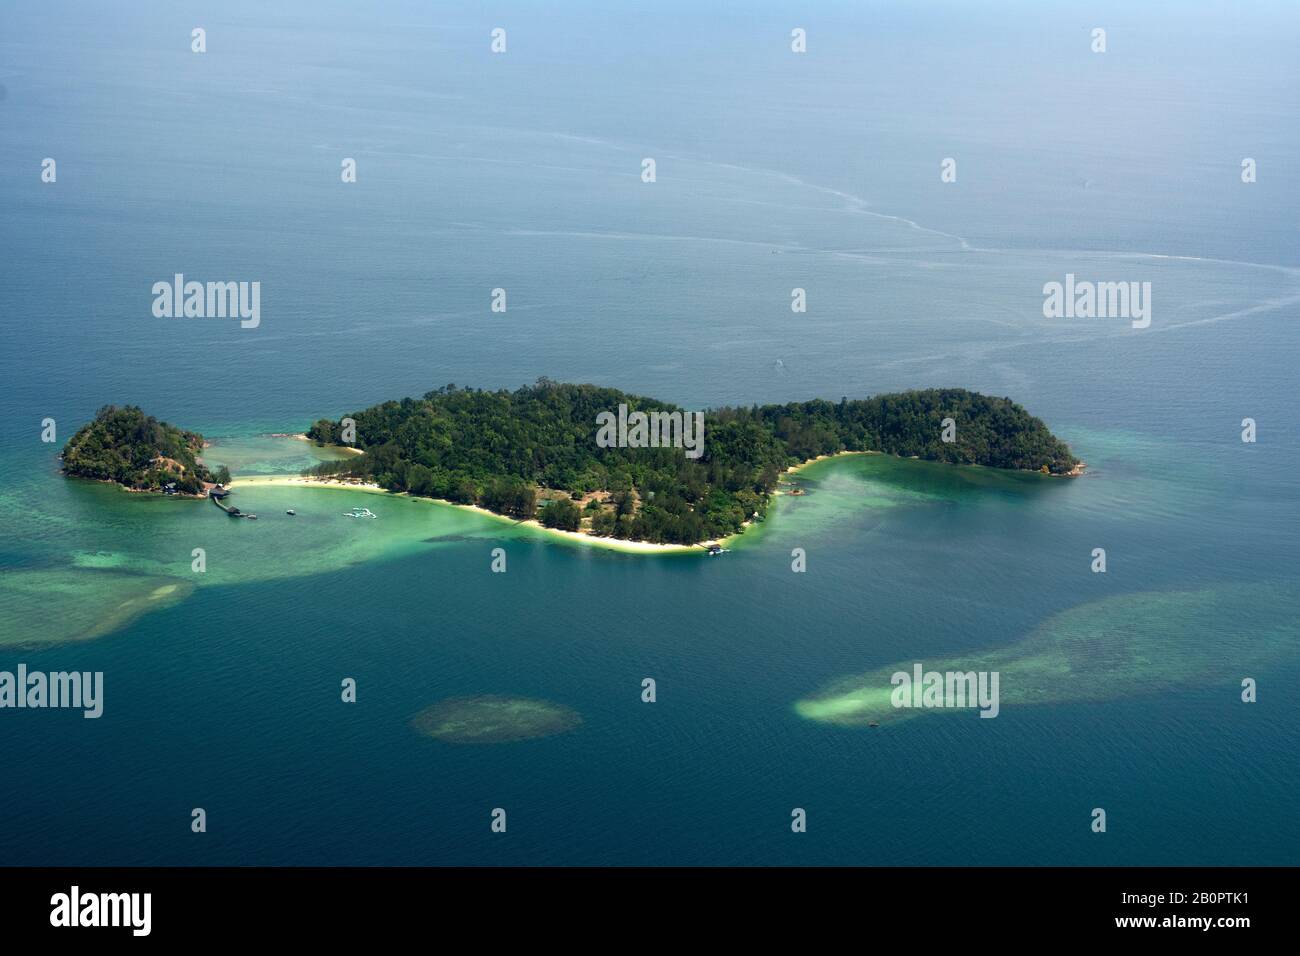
(222, 688)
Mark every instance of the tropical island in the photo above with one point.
(535, 453)
(138, 452)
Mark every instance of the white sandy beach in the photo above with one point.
(302, 436)
(611, 544)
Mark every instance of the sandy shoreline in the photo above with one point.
(812, 461)
(302, 436)
(610, 544)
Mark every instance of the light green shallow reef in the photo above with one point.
(492, 719)
(1125, 646)
(101, 556)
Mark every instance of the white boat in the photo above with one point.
(360, 513)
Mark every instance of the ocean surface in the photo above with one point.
(774, 171)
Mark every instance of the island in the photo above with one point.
(125, 446)
(539, 453)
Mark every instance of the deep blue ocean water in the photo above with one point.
(774, 171)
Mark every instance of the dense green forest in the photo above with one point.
(533, 452)
(136, 450)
